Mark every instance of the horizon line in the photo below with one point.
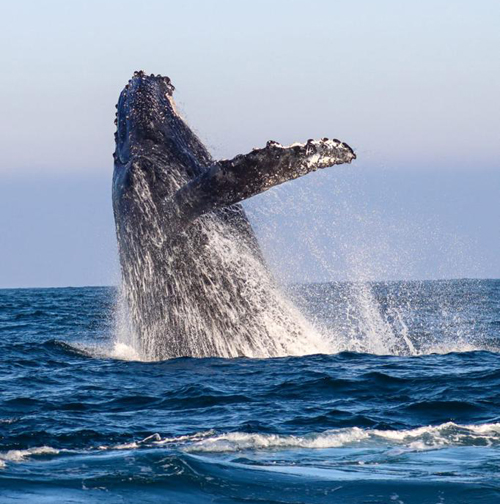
(291, 284)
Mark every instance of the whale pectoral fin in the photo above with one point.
(230, 181)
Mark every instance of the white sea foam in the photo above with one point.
(418, 439)
(22, 455)
(123, 351)
(237, 441)
(393, 442)
(8, 420)
(156, 439)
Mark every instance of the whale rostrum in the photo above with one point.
(194, 281)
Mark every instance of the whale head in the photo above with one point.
(148, 124)
(143, 114)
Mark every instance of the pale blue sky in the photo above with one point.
(412, 86)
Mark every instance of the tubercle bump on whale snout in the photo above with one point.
(140, 74)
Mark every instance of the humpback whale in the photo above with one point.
(194, 280)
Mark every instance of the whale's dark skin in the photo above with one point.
(194, 279)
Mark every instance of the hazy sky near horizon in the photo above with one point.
(412, 86)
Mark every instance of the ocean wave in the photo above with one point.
(390, 442)
(108, 350)
(22, 455)
(157, 440)
(421, 438)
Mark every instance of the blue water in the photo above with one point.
(79, 424)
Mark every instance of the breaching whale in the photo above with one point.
(194, 280)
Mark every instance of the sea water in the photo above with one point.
(404, 408)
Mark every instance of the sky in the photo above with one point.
(411, 86)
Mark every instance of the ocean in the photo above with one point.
(406, 409)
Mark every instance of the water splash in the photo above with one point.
(206, 293)
(223, 302)
(345, 239)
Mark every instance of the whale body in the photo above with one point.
(194, 280)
